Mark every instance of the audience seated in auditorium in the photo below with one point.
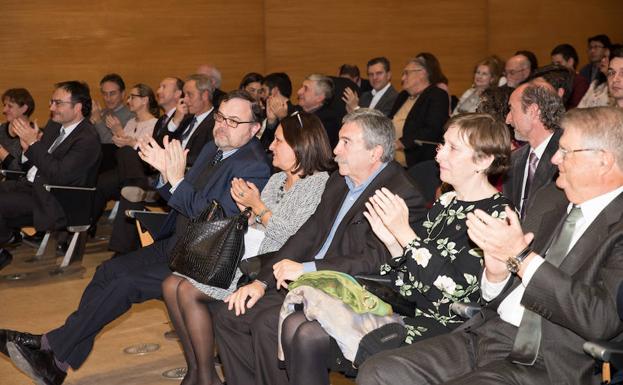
(382, 95)
(17, 103)
(535, 113)
(67, 153)
(597, 48)
(420, 111)
(516, 70)
(138, 276)
(315, 96)
(302, 154)
(487, 74)
(565, 55)
(543, 299)
(336, 237)
(615, 76)
(129, 170)
(475, 148)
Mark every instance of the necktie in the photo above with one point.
(160, 126)
(57, 142)
(528, 339)
(533, 162)
(217, 158)
(187, 131)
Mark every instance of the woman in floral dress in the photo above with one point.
(434, 264)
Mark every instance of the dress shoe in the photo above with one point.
(5, 258)
(32, 341)
(36, 363)
(15, 240)
(136, 194)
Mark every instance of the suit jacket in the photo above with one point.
(202, 135)
(189, 199)
(576, 300)
(73, 163)
(386, 102)
(425, 121)
(354, 249)
(545, 174)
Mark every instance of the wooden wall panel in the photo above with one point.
(45, 42)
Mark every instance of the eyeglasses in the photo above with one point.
(135, 96)
(218, 117)
(566, 152)
(596, 46)
(298, 115)
(407, 72)
(58, 102)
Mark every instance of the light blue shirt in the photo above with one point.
(354, 192)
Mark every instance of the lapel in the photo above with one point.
(545, 171)
(594, 236)
(207, 124)
(67, 142)
(386, 96)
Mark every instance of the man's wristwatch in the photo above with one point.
(514, 263)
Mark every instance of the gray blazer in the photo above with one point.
(384, 105)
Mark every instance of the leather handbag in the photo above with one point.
(211, 248)
(381, 286)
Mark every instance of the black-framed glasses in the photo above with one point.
(233, 123)
(566, 152)
(58, 102)
(513, 72)
(135, 96)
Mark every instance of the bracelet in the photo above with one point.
(258, 217)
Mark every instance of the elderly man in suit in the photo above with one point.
(138, 276)
(535, 113)
(336, 237)
(546, 299)
(382, 96)
(68, 153)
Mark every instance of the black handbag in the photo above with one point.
(381, 286)
(211, 248)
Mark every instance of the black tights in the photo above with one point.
(188, 309)
(306, 347)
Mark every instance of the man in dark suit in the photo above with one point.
(192, 125)
(542, 304)
(137, 277)
(382, 96)
(168, 94)
(535, 113)
(68, 153)
(336, 237)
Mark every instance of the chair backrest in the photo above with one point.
(76, 202)
(426, 175)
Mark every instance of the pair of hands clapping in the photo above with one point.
(169, 160)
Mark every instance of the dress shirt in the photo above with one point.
(511, 310)
(354, 192)
(538, 151)
(32, 172)
(170, 114)
(377, 95)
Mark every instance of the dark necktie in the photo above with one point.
(57, 142)
(528, 339)
(217, 158)
(187, 131)
(533, 162)
(160, 126)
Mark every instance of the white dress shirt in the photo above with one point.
(377, 95)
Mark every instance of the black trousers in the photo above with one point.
(247, 344)
(124, 236)
(16, 207)
(117, 284)
(476, 356)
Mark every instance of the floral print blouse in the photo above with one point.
(442, 266)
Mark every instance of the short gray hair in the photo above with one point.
(377, 130)
(324, 86)
(549, 102)
(600, 128)
(203, 84)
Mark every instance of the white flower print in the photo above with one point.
(421, 256)
(445, 284)
(447, 198)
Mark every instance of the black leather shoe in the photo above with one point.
(33, 341)
(36, 364)
(15, 240)
(5, 258)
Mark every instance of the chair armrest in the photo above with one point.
(50, 187)
(465, 310)
(606, 351)
(12, 174)
(149, 220)
(135, 214)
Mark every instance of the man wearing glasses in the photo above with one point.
(67, 153)
(535, 113)
(597, 48)
(516, 70)
(137, 277)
